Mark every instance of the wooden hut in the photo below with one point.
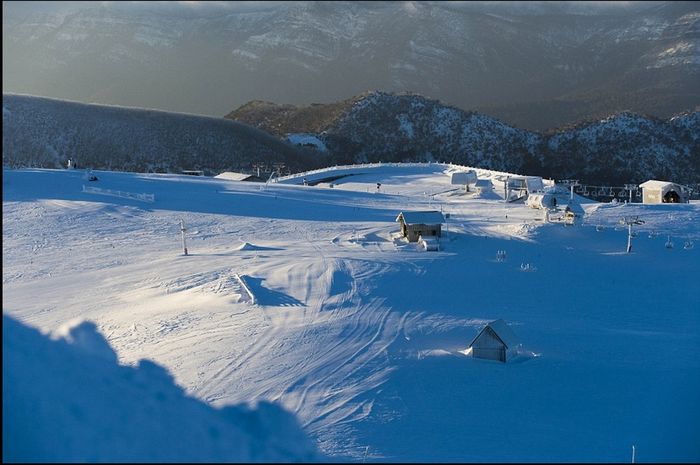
(420, 223)
(496, 341)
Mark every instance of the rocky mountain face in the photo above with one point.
(377, 126)
(45, 133)
(536, 65)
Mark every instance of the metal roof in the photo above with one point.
(421, 217)
(503, 332)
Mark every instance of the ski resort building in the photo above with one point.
(420, 223)
(519, 187)
(541, 200)
(464, 178)
(527, 184)
(496, 341)
(663, 192)
(483, 186)
(232, 176)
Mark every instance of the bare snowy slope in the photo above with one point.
(306, 296)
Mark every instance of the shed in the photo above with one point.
(464, 178)
(483, 186)
(420, 223)
(496, 341)
(654, 191)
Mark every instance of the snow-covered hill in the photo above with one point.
(306, 297)
(377, 126)
(46, 133)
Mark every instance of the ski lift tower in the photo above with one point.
(630, 187)
(258, 166)
(571, 183)
(278, 168)
(630, 221)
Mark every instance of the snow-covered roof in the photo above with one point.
(534, 183)
(654, 184)
(421, 217)
(503, 331)
(463, 177)
(232, 176)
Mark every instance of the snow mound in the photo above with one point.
(60, 405)
(249, 246)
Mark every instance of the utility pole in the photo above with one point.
(629, 221)
(182, 230)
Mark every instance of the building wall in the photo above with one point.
(415, 230)
(488, 346)
(651, 195)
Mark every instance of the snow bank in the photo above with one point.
(249, 246)
(66, 400)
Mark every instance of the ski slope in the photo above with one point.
(306, 296)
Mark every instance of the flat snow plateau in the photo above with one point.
(307, 297)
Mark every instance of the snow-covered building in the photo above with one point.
(654, 191)
(464, 178)
(232, 176)
(527, 184)
(483, 186)
(420, 223)
(541, 200)
(496, 341)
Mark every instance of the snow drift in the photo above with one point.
(67, 400)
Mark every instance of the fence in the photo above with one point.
(479, 171)
(122, 194)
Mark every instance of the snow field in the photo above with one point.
(358, 333)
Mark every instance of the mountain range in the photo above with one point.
(534, 65)
(377, 126)
(372, 127)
